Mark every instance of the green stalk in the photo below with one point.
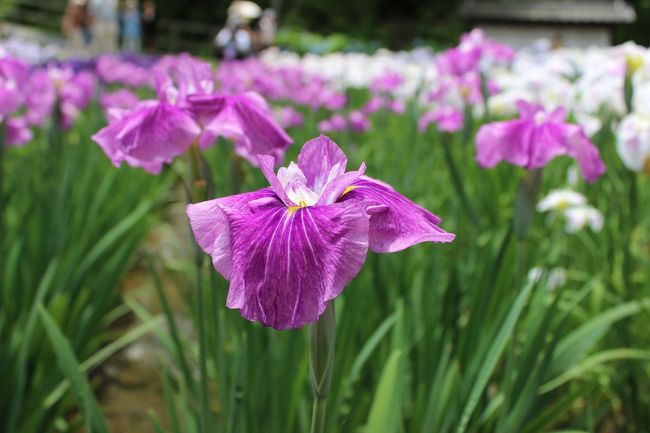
(203, 370)
(3, 136)
(322, 339)
(457, 181)
(524, 212)
(198, 193)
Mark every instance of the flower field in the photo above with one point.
(422, 242)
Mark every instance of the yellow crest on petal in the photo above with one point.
(348, 189)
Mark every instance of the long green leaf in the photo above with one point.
(72, 370)
(386, 410)
(493, 356)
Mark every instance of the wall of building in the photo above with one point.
(521, 35)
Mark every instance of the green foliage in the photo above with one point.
(443, 338)
(438, 338)
(303, 42)
(5, 7)
(70, 226)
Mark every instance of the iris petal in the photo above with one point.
(317, 159)
(267, 164)
(211, 227)
(396, 222)
(287, 264)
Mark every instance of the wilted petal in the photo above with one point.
(396, 222)
(287, 264)
(262, 134)
(148, 136)
(247, 121)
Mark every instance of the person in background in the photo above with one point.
(268, 27)
(237, 39)
(131, 38)
(105, 26)
(77, 25)
(149, 25)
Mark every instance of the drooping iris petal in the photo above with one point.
(247, 121)
(211, 226)
(585, 152)
(545, 143)
(287, 264)
(396, 222)
(503, 141)
(149, 136)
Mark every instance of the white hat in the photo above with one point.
(245, 10)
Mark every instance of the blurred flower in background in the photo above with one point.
(573, 207)
(536, 138)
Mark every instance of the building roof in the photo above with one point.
(550, 11)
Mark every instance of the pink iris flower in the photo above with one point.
(534, 139)
(188, 111)
(291, 248)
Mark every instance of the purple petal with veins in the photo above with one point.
(396, 223)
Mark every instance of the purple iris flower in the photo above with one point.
(458, 61)
(290, 248)
(536, 138)
(122, 98)
(18, 132)
(13, 78)
(114, 69)
(40, 98)
(187, 111)
(283, 83)
(289, 117)
(447, 119)
(490, 49)
(75, 93)
(336, 123)
(358, 121)
(386, 83)
(473, 50)
(53, 85)
(374, 104)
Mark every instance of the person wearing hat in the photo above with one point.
(77, 24)
(236, 39)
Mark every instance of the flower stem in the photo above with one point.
(198, 193)
(203, 370)
(3, 136)
(524, 213)
(458, 183)
(322, 338)
(318, 415)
